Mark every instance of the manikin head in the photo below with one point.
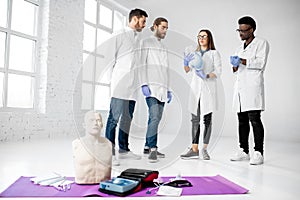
(92, 153)
(160, 27)
(93, 123)
(137, 19)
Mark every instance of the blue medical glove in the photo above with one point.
(146, 90)
(169, 96)
(235, 61)
(187, 59)
(197, 63)
(201, 74)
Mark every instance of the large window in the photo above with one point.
(102, 19)
(18, 41)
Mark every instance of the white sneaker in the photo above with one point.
(257, 158)
(115, 161)
(129, 155)
(240, 156)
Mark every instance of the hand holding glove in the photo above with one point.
(169, 96)
(146, 90)
(201, 74)
(235, 61)
(187, 59)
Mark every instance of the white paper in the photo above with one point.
(45, 178)
(165, 190)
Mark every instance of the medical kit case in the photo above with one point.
(130, 181)
(119, 185)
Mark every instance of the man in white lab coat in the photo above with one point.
(124, 83)
(249, 64)
(154, 74)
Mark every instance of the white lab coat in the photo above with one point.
(124, 76)
(154, 67)
(249, 85)
(205, 90)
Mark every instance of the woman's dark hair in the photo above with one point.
(211, 44)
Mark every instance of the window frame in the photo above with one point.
(6, 71)
(114, 7)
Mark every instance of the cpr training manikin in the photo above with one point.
(92, 153)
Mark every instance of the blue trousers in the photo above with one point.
(155, 110)
(123, 110)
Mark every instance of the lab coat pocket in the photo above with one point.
(254, 78)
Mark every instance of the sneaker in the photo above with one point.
(146, 150)
(153, 156)
(257, 158)
(159, 154)
(205, 154)
(190, 155)
(115, 161)
(129, 155)
(240, 156)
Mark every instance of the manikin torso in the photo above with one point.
(92, 153)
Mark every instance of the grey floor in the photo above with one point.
(278, 178)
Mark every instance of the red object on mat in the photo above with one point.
(202, 185)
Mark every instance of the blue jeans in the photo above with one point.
(124, 109)
(155, 109)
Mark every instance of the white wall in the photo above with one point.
(277, 21)
(60, 59)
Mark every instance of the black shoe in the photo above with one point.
(146, 150)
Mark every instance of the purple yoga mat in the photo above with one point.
(202, 185)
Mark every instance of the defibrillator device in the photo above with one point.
(130, 181)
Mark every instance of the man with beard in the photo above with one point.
(154, 74)
(124, 83)
(249, 63)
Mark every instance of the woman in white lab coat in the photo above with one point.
(203, 94)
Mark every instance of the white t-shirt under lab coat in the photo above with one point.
(154, 67)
